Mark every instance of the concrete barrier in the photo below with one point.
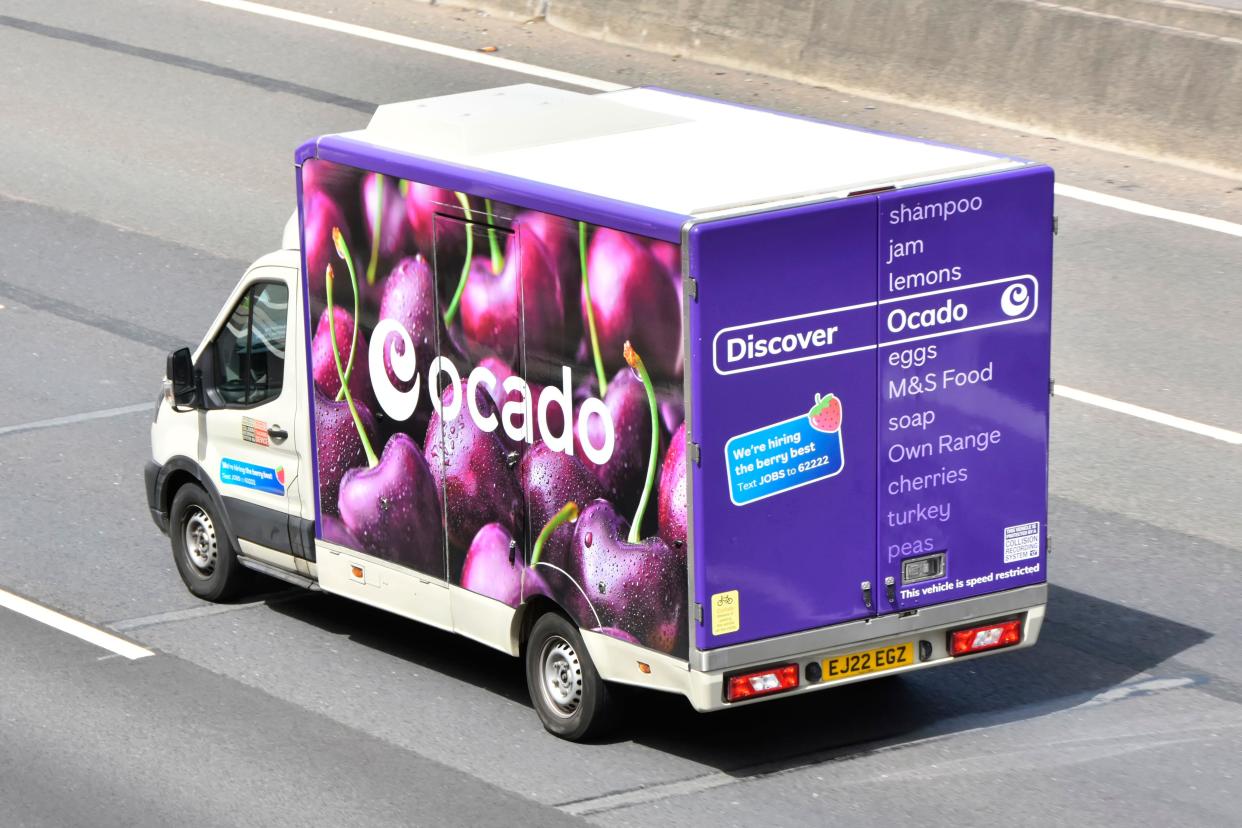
(1152, 76)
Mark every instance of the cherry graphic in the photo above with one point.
(320, 216)
(628, 295)
(393, 509)
(622, 475)
(422, 201)
(409, 297)
(338, 446)
(384, 216)
(635, 585)
(391, 505)
(491, 310)
(672, 497)
(493, 564)
(353, 346)
(638, 587)
(470, 466)
(550, 479)
(560, 240)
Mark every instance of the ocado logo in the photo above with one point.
(517, 415)
(900, 319)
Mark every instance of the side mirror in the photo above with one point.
(182, 378)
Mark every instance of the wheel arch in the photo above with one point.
(179, 471)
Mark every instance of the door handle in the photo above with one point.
(277, 434)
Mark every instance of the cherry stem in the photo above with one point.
(372, 460)
(568, 513)
(636, 362)
(590, 312)
(498, 257)
(376, 224)
(465, 268)
(342, 250)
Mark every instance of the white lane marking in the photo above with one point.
(1215, 432)
(415, 43)
(72, 626)
(1150, 210)
(77, 418)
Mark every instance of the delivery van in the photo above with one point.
(640, 387)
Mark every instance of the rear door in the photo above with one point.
(965, 321)
(784, 411)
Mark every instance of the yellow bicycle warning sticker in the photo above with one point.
(726, 614)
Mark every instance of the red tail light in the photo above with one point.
(761, 682)
(988, 637)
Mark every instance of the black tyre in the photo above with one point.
(201, 549)
(572, 701)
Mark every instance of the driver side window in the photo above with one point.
(250, 348)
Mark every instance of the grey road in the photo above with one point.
(146, 158)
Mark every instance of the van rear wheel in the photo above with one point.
(201, 549)
(572, 701)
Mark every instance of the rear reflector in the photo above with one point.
(989, 637)
(761, 683)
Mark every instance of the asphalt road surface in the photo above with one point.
(146, 158)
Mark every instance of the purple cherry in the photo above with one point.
(672, 497)
(491, 312)
(549, 480)
(638, 587)
(388, 234)
(632, 298)
(323, 364)
(422, 202)
(320, 215)
(393, 508)
(338, 446)
(622, 474)
(471, 468)
(409, 297)
(494, 568)
(560, 240)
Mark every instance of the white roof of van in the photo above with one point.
(659, 149)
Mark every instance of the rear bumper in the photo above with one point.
(927, 629)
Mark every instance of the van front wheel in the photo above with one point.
(201, 548)
(572, 701)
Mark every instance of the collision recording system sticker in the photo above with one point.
(786, 455)
(726, 613)
(250, 476)
(1021, 542)
(255, 431)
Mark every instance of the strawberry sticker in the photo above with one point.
(280, 470)
(826, 414)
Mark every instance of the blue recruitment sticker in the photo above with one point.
(786, 455)
(250, 476)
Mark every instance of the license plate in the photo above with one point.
(868, 661)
